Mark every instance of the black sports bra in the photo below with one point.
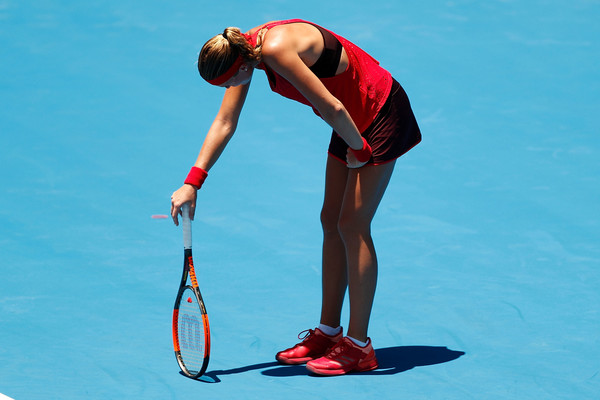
(329, 60)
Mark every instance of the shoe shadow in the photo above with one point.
(392, 360)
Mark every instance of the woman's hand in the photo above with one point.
(351, 160)
(185, 194)
(356, 158)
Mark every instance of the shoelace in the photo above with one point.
(338, 349)
(307, 334)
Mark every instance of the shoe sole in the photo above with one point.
(294, 361)
(341, 371)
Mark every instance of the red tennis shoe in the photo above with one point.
(345, 357)
(314, 344)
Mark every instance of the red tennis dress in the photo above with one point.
(364, 88)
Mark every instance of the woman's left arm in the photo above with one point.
(286, 62)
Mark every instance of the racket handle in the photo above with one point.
(186, 224)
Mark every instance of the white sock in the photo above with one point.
(328, 330)
(358, 342)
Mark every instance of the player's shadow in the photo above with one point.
(392, 360)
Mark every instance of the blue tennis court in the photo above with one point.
(488, 237)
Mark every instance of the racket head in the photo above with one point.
(191, 332)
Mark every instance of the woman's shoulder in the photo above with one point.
(259, 27)
(285, 36)
(278, 24)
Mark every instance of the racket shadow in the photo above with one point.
(213, 376)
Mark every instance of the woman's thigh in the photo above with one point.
(353, 195)
(365, 188)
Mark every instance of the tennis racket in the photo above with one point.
(191, 331)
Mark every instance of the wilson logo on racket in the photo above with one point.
(191, 333)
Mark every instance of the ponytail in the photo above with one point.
(221, 52)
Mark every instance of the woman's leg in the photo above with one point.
(351, 199)
(363, 193)
(334, 275)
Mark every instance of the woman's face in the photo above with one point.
(242, 77)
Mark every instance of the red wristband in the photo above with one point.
(196, 177)
(364, 154)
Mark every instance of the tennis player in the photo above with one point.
(373, 124)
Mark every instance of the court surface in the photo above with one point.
(488, 237)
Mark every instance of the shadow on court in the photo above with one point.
(213, 376)
(392, 360)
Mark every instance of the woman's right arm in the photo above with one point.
(219, 134)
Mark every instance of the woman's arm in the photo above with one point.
(219, 134)
(280, 55)
(223, 126)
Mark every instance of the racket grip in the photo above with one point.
(186, 224)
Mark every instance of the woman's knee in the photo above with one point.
(352, 226)
(329, 221)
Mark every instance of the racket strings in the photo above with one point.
(190, 331)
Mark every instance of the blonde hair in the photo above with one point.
(220, 52)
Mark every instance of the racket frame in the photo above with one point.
(188, 270)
